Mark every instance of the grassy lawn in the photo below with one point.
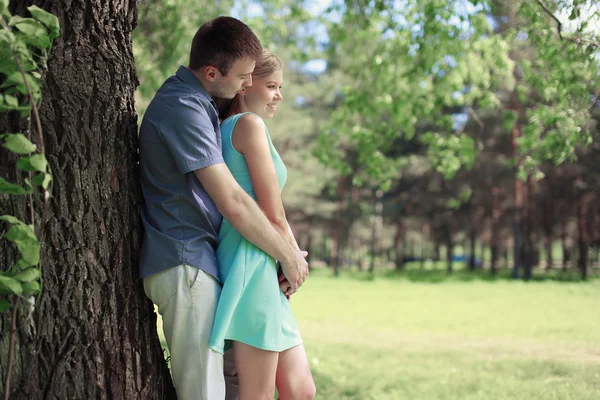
(415, 337)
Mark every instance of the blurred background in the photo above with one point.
(444, 176)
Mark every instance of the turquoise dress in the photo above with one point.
(251, 309)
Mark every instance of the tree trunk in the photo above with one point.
(548, 228)
(376, 230)
(334, 256)
(583, 235)
(565, 248)
(92, 334)
(399, 244)
(473, 243)
(528, 240)
(449, 246)
(436, 251)
(495, 239)
(518, 190)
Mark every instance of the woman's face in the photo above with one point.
(264, 94)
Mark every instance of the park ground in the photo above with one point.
(422, 335)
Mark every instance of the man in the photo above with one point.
(187, 190)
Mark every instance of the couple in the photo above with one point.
(215, 224)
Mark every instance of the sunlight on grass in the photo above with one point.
(396, 338)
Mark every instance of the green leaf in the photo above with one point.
(20, 265)
(27, 243)
(15, 19)
(46, 18)
(47, 180)
(30, 27)
(12, 188)
(30, 274)
(42, 179)
(13, 285)
(4, 8)
(31, 287)
(11, 101)
(4, 305)
(18, 143)
(16, 79)
(11, 219)
(36, 162)
(40, 41)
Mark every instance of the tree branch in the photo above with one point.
(547, 10)
(573, 38)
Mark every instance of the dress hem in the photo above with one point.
(261, 346)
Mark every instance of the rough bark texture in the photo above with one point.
(93, 332)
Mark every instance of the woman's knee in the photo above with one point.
(310, 390)
(258, 394)
(305, 390)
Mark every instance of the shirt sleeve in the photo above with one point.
(191, 136)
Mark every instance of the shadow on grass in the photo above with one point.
(413, 273)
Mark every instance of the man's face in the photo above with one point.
(238, 77)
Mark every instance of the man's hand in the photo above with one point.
(296, 270)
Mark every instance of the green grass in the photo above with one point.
(398, 337)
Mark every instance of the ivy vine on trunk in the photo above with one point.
(24, 47)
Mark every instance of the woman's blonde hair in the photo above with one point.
(266, 65)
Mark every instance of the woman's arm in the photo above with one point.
(249, 138)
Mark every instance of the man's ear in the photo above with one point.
(211, 73)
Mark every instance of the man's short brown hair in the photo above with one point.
(222, 41)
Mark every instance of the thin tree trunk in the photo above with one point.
(549, 257)
(399, 244)
(92, 334)
(449, 246)
(566, 254)
(495, 239)
(473, 242)
(583, 236)
(519, 187)
(377, 229)
(548, 228)
(528, 242)
(334, 255)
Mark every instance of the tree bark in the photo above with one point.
(92, 334)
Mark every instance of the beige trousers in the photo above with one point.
(187, 298)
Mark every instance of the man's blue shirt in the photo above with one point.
(179, 134)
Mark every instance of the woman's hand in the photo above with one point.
(284, 284)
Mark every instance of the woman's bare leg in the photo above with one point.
(294, 380)
(256, 370)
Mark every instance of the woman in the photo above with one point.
(253, 313)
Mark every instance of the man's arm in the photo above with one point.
(245, 215)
